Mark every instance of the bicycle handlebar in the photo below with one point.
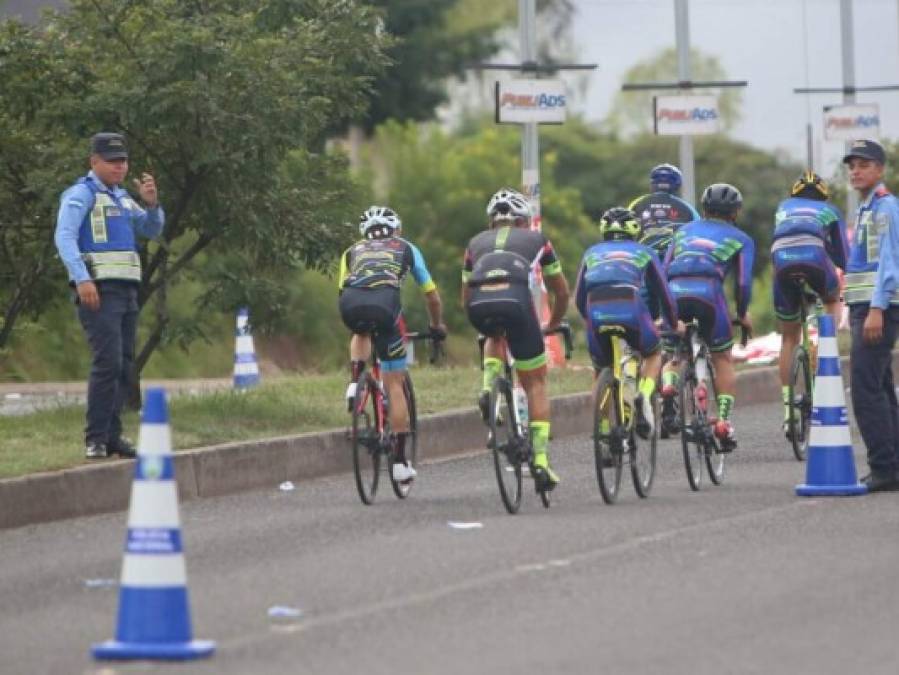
(437, 350)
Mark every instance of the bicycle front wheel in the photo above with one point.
(608, 439)
(800, 403)
(643, 454)
(714, 458)
(506, 444)
(690, 426)
(366, 436)
(401, 489)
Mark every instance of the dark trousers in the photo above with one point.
(873, 391)
(111, 333)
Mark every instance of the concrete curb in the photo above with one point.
(234, 467)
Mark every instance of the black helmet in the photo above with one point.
(810, 185)
(619, 223)
(721, 198)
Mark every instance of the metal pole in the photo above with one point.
(682, 40)
(848, 49)
(530, 164)
(809, 142)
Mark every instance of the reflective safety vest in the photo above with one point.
(106, 237)
(864, 255)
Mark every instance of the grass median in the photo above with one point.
(52, 439)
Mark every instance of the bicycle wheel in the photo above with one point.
(608, 439)
(643, 454)
(714, 459)
(800, 402)
(689, 425)
(401, 489)
(506, 443)
(366, 439)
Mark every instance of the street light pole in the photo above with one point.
(530, 162)
(682, 40)
(848, 48)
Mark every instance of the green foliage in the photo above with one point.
(631, 111)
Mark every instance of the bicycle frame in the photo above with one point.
(622, 354)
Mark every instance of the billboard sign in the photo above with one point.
(686, 115)
(538, 101)
(848, 122)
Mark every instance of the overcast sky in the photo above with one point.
(762, 41)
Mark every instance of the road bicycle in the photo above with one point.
(370, 432)
(615, 437)
(802, 375)
(507, 436)
(698, 403)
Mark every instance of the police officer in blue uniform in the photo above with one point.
(96, 236)
(872, 293)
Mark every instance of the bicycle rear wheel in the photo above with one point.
(506, 444)
(714, 458)
(608, 439)
(401, 489)
(644, 453)
(800, 402)
(689, 426)
(366, 438)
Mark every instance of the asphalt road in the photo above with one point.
(742, 578)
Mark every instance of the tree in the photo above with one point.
(226, 102)
(631, 111)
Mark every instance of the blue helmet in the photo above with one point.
(665, 178)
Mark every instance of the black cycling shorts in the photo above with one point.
(507, 310)
(377, 312)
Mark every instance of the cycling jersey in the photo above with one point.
(621, 283)
(661, 213)
(497, 268)
(702, 254)
(379, 263)
(799, 217)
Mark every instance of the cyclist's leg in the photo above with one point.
(718, 333)
(486, 313)
(599, 344)
(356, 312)
(787, 290)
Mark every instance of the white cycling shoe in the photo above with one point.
(402, 473)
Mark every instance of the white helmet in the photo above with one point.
(379, 215)
(508, 204)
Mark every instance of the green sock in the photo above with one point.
(539, 438)
(785, 392)
(670, 377)
(725, 406)
(647, 386)
(492, 368)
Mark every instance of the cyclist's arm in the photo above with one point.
(556, 282)
(886, 227)
(634, 202)
(467, 267)
(839, 244)
(745, 258)
(580, 289)
(420, 270)
(344, 271)
(661, 292)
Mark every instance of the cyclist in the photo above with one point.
(496, 292)
(662, 211)
(371, 274)
(809, 241)
(699, 259)
(621, 283)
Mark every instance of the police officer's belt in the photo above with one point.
(123, 265)
(860, 288)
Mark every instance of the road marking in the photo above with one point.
(366, 611)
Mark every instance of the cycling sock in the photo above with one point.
(539, 437)
(647, 386)
(669, 377)
(492, 368)
(356, 368)
(725, 406)
(400, 448)
(785, 389)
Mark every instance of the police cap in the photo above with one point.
(866, 150)
(109, 145)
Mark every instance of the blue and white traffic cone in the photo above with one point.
(246, 370)
(154, 616)
(830, 470)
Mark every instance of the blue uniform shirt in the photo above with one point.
(875, 250)
(629, 263)
(712, 248)
(75, 205)
(800, 216)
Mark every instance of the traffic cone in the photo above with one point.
(154, 617)
(246, 370)
(831, 466)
